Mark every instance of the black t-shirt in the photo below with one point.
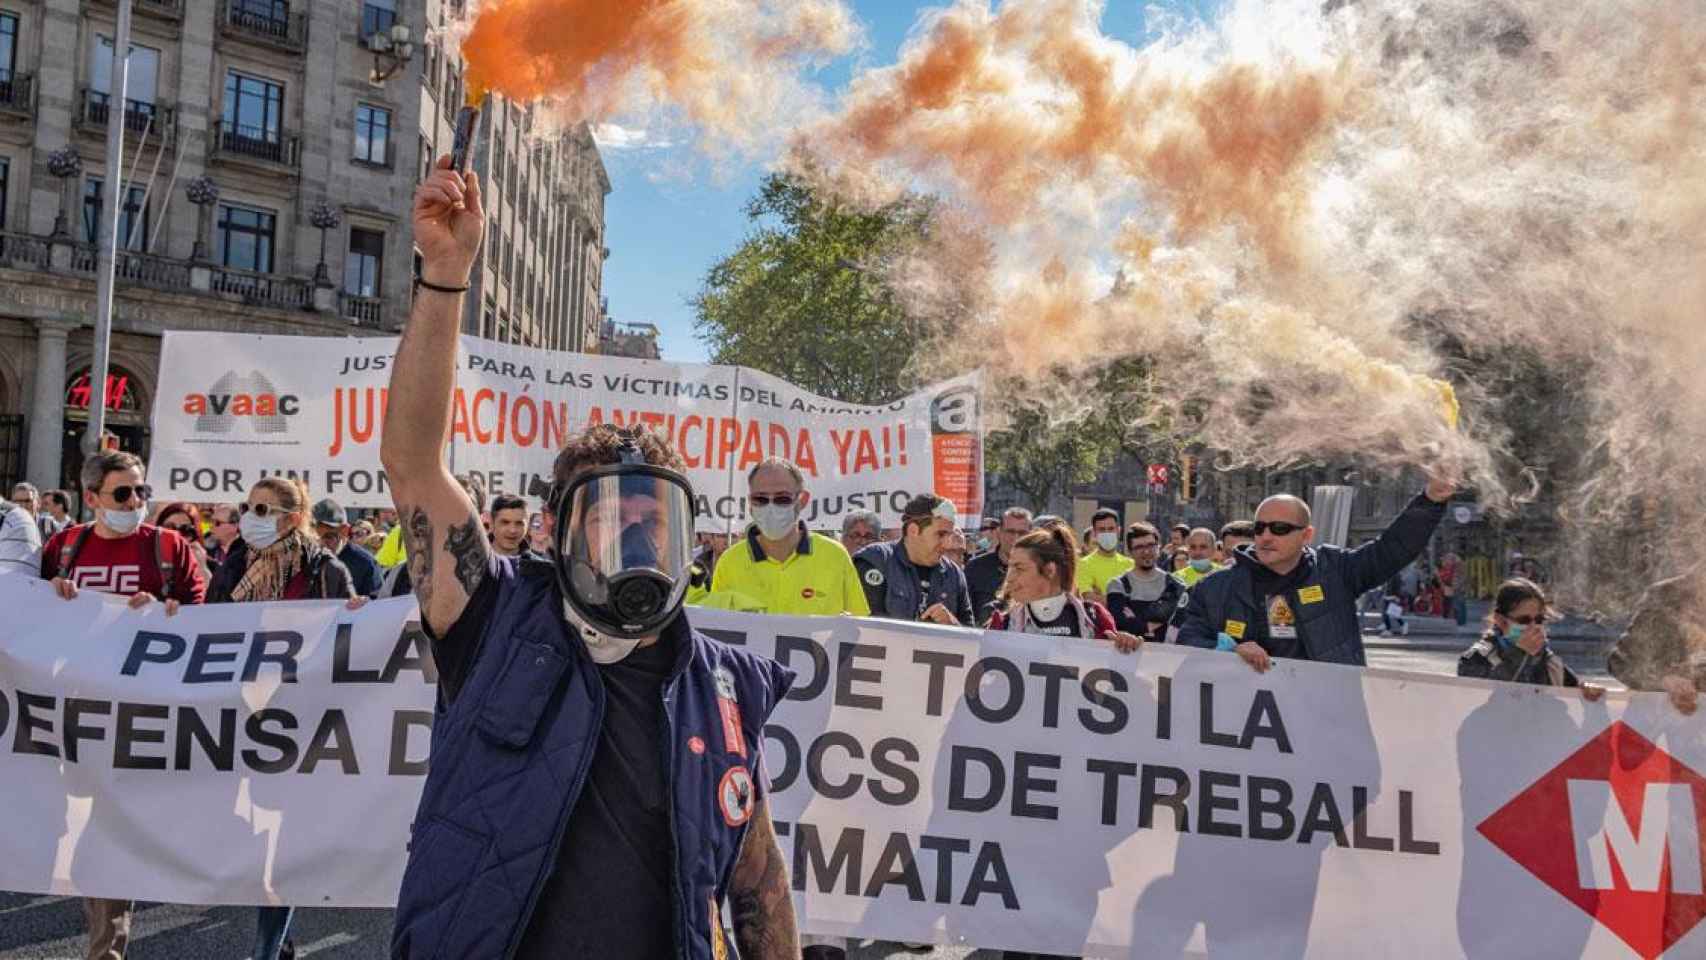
(1279, 619)
(1065, 625)
(922, 574)
(608, 895)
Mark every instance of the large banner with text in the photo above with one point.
(929, 784)
(232, 408)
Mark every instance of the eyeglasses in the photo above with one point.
(1280, 528)
(141, 491)
(1528, 621)
(184, 530)
(765, 500)
(260, 509)
(1151, 545)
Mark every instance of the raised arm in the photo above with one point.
(759, 899)
(448, 554)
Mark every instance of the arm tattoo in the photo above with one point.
(418, 529)
(759, 899)
(466, 544)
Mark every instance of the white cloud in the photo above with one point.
(614, 136)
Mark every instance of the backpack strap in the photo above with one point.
(73, 546)
(168, 570)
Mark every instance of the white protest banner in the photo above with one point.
(931, 784)
(232, 408)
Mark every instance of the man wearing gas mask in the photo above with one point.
(595, 786)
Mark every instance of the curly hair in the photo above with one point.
(602, 444)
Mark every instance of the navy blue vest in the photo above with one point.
(511, 753)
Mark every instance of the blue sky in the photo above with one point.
(665, 232)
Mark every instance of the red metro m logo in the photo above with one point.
(1616, 829)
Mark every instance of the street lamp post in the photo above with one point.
(325, 216)
(391, 52)
(65, 165)
(204, 193)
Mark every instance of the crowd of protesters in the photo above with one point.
(1261, 588)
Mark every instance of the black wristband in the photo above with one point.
(420, 282)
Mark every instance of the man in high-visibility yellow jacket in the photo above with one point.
(1199, 547)
(779, 563)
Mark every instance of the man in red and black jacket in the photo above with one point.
(118, 553)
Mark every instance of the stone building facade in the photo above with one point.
(268, 182)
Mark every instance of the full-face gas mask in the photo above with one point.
(623, 545)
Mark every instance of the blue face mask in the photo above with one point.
(1202, 566)
(1512, 634)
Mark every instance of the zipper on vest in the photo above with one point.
(575, 788)
(677, 904)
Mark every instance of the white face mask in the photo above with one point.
(1107, 541)
(1049, 608)
(124, 522)
(258, 532)
(601, 648)
(775, 521)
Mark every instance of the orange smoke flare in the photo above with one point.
(719, 62)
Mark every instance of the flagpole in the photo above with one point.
(107, 232)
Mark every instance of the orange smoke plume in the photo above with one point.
(722, 63)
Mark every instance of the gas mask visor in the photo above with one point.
(624, 545)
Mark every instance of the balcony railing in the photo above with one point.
(17, 92)
(158, 120)
(21, 251)
(256, 143)
(269, 21)
(167, 9)
(264, 288)
(362, 311)
(151, 271)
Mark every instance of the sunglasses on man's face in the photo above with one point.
(1278, 528)
(765, 500)
(141, 491)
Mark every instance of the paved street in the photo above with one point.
(49, 928)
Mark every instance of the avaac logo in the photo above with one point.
(242, 398)
(1616, 829)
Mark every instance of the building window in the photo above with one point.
(5, 189)
(245, 238)
(372, 134)
(8, 49)
(140, 82)
(254, 108)
(429, 158)
(132, 221)
(363, 262)
(378, 16)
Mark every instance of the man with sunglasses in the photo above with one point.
(118, 553)
(1284, 598)
(225, 518)
(986, 572)
(779, 563)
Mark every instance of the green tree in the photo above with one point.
(806, 296)
(1068, 430)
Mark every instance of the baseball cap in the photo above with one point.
(328, 512)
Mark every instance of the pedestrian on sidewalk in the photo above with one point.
(1394, 614)
(1514, 647)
